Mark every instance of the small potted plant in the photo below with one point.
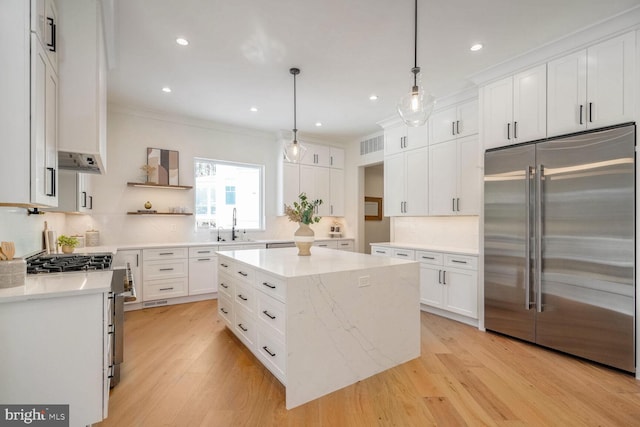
(67, 243)
(303, 212)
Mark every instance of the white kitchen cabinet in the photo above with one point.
(346, 245)
(316, 182)
(454, 177)
(75, 193)
(327, 244)
(132, 257)
(336, 186)
(406, 177)
(316, 155)
(337, 157)
(83, 78)
(44, 24)
(514, 108)
(165, 273)
(593, 87)
(399, 138)
(203, 270)
(454, 122)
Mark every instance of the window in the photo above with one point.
(222, 187)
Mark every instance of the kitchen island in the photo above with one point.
(323, 322)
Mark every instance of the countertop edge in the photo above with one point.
(419, 247)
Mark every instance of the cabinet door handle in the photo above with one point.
(242, 297)
(223, 310)
(166, 269)
(224, 286)
(166, 289)
(581, 108)
(331, 160)
(331, 209)
(440, 277)
(444, 277)
(453, 128)
(265, 348)
(242, 273)
(224, 265)
(137, 260)
(84, 200)
(591, 112)
(90, 202)
(52, 192)
(453, 204)
(269, 315)
(458, 204)
(52, 25)
(458, 127)
(268, 285)
(241, 326)
(508, 130)
(515, 130)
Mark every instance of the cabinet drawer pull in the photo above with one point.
(268, 285)
(428, 257)
(204, 259)
(265, 348)
(224, 286)
(402, 254)
(224, 265)
(458, 261)
(242, 297)
(165, 253)
(223, 310)
(241, 326)
(242, 273)
(204, 252)
(166, 269)
(167, 289)
(322, 246)
(269, 315)
(381, 252)
(344, 244)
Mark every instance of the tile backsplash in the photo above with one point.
(26, 230)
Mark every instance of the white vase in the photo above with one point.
(303, 238)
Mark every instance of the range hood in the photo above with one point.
(80, 162)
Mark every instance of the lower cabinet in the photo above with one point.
(165, 273)
(203, 270)
(133, 257)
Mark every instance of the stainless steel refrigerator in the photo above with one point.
(559, 244)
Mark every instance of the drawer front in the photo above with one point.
(433, 258)
(461, 261)
(226, 286)
(273, 286)
(166, 253)
(244, 327)
(271, 313)
(202, 251)
(404, 254)
(167, 288)
(380, 251)
(225, 310)
(225, 265)
(347, 245)
(272, 351)
(244, 273)
(244, 296)
(165, 269)
(325, 244)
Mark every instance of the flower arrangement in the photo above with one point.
(303, 211)
(146, 171)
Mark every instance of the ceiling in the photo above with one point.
(240, 53)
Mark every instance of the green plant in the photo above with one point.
(67, 241)
(303, 211)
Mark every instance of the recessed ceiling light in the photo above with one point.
(182, 42)
(166, 89)
(476, 47)
(253, 109)
(373, 97)
(318, 124)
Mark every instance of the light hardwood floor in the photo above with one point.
(184, 368)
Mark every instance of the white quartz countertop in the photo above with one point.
(285, 262)
(427, 247)
(221, 245)
(53, 285)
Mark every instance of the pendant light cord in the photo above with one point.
(295, 72)
(415, 45)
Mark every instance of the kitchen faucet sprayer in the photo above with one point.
(234, 222)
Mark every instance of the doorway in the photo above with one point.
(376, 230)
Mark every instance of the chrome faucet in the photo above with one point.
(220, 239)
(234, 222)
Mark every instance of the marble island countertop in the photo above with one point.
(285, 262)
(52, 285)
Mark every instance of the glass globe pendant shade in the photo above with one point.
(294, 151)
(416, 106)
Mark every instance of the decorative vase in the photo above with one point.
(147, 205)
(304, 237)
(67, 249)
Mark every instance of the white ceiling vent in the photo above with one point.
(372, 145)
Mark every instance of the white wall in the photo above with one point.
(26, 230)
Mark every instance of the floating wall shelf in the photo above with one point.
(151, 185)
(161, 213)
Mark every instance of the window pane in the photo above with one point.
(223, 186)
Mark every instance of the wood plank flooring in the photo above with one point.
(184, 368)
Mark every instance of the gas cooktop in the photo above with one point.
(58, 263)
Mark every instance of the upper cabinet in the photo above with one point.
(76, 193)
(316, 155)
(83, 96)
(399, 138)
(514, 108)
(593, 87)
(406, 183)
(454, 122)
(29, 104)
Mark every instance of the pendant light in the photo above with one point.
(416, 106)
(294, 151)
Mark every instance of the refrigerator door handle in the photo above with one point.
(529, 172)
(538, 243)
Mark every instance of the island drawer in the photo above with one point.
(271, 312)
(403, 254)
(271, 285)
(225, 265)
(244, 296)
(202, 251)
(271, 350)
(425, 257)
(244, 327)
(166, 253)
(461, 261)
(326, 244)
(165, 269)
(346, 245)
(380, 251)
(225, 309)
(245, 274)
(165, 288)
(225, 286)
